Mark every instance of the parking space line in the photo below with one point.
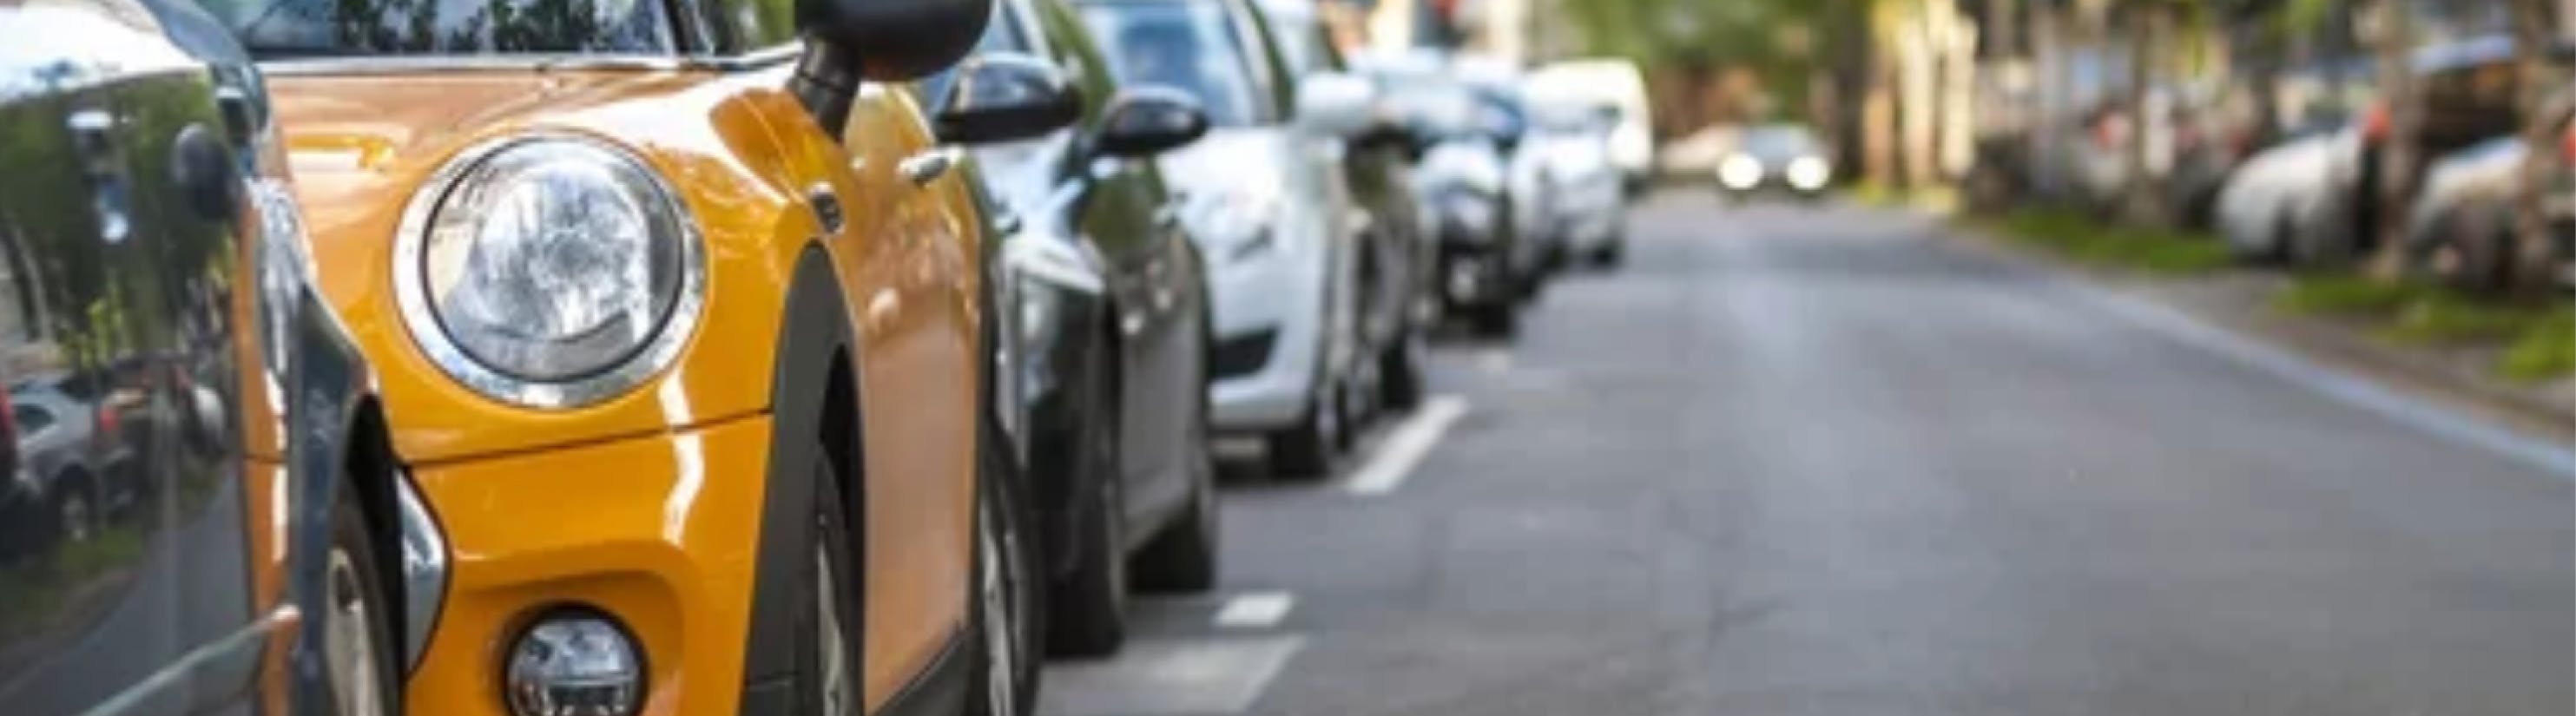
(1406, 446)
(1256, 610)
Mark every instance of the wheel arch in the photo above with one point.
(815, 342)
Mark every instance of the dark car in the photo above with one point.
(159, 327)
(1105, 366)
(1461, 141)
(2471, 90)
(2462, 232)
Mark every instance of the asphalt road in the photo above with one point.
(1816, 461)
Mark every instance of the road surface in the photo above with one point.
(1813, 461)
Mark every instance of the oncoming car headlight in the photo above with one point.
(548, 271)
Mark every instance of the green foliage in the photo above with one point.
(2444, 317)
(2152, 251)
(2545, 351)
(2347, 295)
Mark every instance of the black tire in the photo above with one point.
(1183, 557)
(1400, 375)
(828, 599)
(1498, 320)
(1087, 608)
(1306, 451)
(1005, 606)
(359, 660)
(1611, 254)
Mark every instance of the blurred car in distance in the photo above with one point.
(1776, 158)
(1616, 83)
(2471, 91)
(1461, 141)
(1101, 369)
(167, 354)
(1395, 246)
(1571, 140)
(2461, 230)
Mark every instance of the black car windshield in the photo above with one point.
(1187, 45)
(289, 29)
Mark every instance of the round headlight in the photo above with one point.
(548, 271)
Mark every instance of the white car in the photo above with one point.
(1615, 83)
(2276, 193)
(1571, 142)
(1263, 192)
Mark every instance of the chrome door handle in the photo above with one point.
(927, 166)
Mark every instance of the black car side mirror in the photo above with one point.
(1002, 97)
(1149, 120)
(852, 41)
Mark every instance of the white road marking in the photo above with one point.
(1406, 446)
(1169, 677)
(1257, 610)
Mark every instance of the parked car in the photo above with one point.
(679, 310)
(1103, 371)
(2261, 207)
(1461, 142)
(2461, 230)
(1618, 84)
(1571, 139)
(1776, 158)
(1396, 253)
(1265, 202)
(151, 259)
(2470, 91)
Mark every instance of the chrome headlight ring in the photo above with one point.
(660, 222)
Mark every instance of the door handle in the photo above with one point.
(928, 166)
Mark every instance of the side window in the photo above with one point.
(740, 26)
(1000, 35)
(31, 419)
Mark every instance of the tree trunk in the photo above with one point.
(2144, 203)
(2540, 127)
(2398, 166)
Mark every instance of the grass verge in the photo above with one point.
(2078, 237)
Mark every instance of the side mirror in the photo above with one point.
(1149, 120)
(848, 42)
(1002, 97)
(1335, 104)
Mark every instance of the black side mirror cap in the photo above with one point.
(1150, 120)
(1006, 96)
(894, 40)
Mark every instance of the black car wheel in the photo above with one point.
(1087, 608)
(1400, 374)
(1496, 320)
(829, 657)
(357, 637)
(1306, 451)
(1005, 607)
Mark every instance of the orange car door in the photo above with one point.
(906, 249)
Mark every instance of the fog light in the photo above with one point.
(575, 663)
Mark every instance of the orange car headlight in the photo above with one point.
(548, 270)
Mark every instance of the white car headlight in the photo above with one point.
(548, 271)
(1809, 173)
(1740, 172)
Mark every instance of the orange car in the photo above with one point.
(679, 321)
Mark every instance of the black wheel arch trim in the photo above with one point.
(813, 333)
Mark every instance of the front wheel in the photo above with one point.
(357, 637)
(1306, 450)
(1005, 607)
(1498, 320)
(1400, 371)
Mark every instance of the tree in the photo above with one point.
(2541, 123)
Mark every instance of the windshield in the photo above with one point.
(1780, 142)
(280, 29)
(1186, 45)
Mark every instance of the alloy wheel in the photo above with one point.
(349, 642)
(836, 694)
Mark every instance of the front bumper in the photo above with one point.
(657, 531)
(1274, 300)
